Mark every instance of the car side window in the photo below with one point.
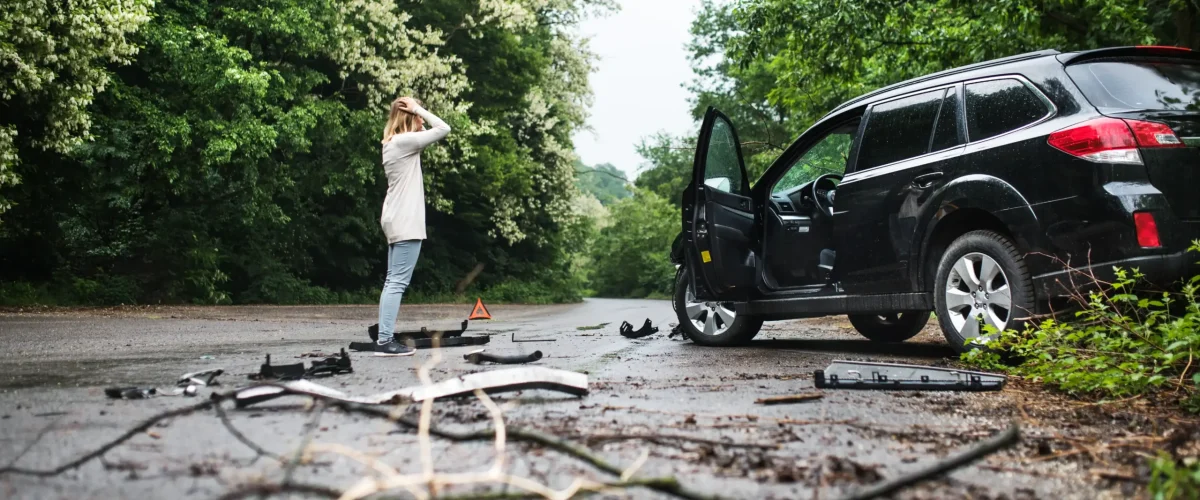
(900, 129)
(998, 106)
(828, 156)
(722, 168)
(945, 131)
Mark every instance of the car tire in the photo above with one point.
(738, 332)
(890, 327)
(981, 278)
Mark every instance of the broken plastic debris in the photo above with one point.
(480, 357)
(423, 333)
(426, 343)
(895, 376)
(647, 330)
(130, 392)
(201, 378)
(507, 380)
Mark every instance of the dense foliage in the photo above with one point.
(631, 257)
(604, 181)
(235, 157)
(1121, 343)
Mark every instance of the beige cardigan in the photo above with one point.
(404, 208)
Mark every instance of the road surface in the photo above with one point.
(56, 364)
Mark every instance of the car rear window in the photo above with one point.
(998, 106)
(1139, 85)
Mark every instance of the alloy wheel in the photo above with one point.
(711, 318)
(978, 294)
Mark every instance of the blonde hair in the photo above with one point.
(400, 121)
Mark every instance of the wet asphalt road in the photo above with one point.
(55, 366)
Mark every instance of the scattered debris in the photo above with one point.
(268, 371)
(208, 356)
(987, 447)
(794, 398)
(480, 357)
(427, 343)
(331, 366)
(508, 380)
(593, 327)
(677, 331)
(423, 333)
(850, 375)
(201, 378)
(514, 339)
(647, 330)
(320, 368)
(130, 392)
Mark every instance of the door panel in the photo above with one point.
(719, 215)
(875, 219)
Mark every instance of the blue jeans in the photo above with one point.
(402, 259)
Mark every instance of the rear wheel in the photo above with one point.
(982, 285)
(710, 323)
(890, 327)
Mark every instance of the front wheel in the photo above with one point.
(710, 323)
(890, 327)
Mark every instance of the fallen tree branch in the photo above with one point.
(265, 490)
(659, 438)
(991, 445)
(237, 434)
(138, 429)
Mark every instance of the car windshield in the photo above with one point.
(828, 156)
(1139, 85)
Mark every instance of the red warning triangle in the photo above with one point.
(480, 311)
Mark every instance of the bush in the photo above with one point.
(1122, 343)
(631, 257)
(1170, 479)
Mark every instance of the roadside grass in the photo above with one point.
(1123, 342)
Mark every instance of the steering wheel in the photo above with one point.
(824, 203)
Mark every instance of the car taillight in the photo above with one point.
(1154, 134)
(1147, 230)
(1111, 140)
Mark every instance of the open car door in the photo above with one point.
(718, 215)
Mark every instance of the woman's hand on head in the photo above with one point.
(409, 105)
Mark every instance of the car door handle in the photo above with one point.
(744, 205)
(926, 180)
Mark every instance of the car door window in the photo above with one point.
(723, 168)
(945, 131)
(828, 156)
(900, 129)
(998, 106)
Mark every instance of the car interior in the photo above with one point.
(798, 229)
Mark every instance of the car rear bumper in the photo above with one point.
(1163, 271)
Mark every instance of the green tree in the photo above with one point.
(668, 166)
(604, 181)
(52, 65)
(631, 257)
(237, 157)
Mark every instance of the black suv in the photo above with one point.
(976, 193)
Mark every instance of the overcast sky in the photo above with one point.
(638, 82)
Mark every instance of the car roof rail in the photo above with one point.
(934, 76)
(1131, 51)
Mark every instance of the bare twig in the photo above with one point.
(242, 437)
(262, 490)
(135, 431)
(309, 429)
(660, 438)
(987, 447)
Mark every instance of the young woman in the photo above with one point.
(403, 217)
